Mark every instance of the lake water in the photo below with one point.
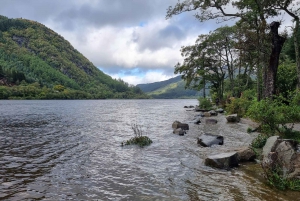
(70, 150)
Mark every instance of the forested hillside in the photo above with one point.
(37, 63)
(171, 88)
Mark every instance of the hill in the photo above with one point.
(37, 63)
(171, 88)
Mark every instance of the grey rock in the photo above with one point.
(220, 110)
(282, 154)
(223, 160)
(207, 140)
(245, 154)
(206, 114)
(233, 118)
(213, 113)
(178, 124)
(270, 145)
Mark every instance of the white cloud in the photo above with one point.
(117, 46)
(149, 77)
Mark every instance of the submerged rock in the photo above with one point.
(211, 121)
(197, 120)
(207, 140)
(233, 118)
(223, 160)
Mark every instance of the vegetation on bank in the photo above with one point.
(139, 138)
(252, 70)
(37, 63)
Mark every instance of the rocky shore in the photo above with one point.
(234, 147)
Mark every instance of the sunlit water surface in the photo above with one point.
(70, 150)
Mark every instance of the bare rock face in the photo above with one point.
(207, 140)
(282, 154)
(233, 118)
(223, 160)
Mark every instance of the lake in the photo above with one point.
(71, 150)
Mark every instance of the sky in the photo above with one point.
(127, 39)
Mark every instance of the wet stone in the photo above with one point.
(223, 160)
(207, 140)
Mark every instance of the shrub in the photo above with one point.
(138, 138)
(204, 103)
(240, 105)
(273, 114)
(259, 141)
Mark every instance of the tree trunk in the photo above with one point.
(271, 71)
(296, 44)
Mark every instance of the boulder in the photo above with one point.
(178, 124)
(233, 118)
(282, 154)
(207, 140)
(213, 113)
(270, 145)
(223, 160)
(245, 154)
(220, 110)
(179, 131)
(211, 121)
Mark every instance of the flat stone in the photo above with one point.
(223, 160)
(206, 114)
(207, 140)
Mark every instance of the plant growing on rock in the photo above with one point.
(139, 138)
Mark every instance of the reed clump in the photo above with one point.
(139, 137)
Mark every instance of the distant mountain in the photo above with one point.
(172, 88)
(37, 63)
